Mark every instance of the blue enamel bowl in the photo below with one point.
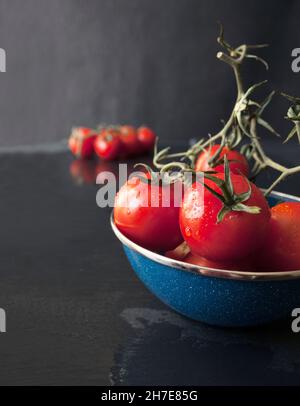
(214, 296)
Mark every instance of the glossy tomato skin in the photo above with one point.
(130, 142)
(238, 164)
(147, 138)
(154, 228)
(244, 265)
(281, 251)
(237, 236)
(108, 145)
(81, 142)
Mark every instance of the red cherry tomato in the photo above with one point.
(152, 226)
(242, 265)
(238, 164)
(281, 251)
(130, 143)
(235, 237)
(81, 142)
(108, 144)
(146, 137)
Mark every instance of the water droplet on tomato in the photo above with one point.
(188, 231)
(128, 212)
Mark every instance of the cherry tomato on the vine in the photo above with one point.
(130, 143)
(238, 164)
(81, 142)
(238, 234)
(153, 226)
(146, 137)
(108, 144)
(281, 251)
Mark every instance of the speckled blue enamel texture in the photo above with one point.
(217, 300)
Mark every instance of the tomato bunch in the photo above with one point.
(81, 142)
(110, 143)
(224, 219)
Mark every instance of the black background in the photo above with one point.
(135, 61)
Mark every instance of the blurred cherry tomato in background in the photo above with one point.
(81, 142)
(146, 138)
(130, 143)
(108, 144)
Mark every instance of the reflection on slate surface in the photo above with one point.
(76, 313)
(167, 349)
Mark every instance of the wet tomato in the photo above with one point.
(238, 164)
(238, 232)
(141, 215)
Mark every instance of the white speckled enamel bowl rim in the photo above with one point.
(210, 272)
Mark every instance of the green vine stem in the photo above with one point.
(234, 58)
(264, 161)
(293, 115)
(246, 115)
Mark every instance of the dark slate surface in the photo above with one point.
(76, 313)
